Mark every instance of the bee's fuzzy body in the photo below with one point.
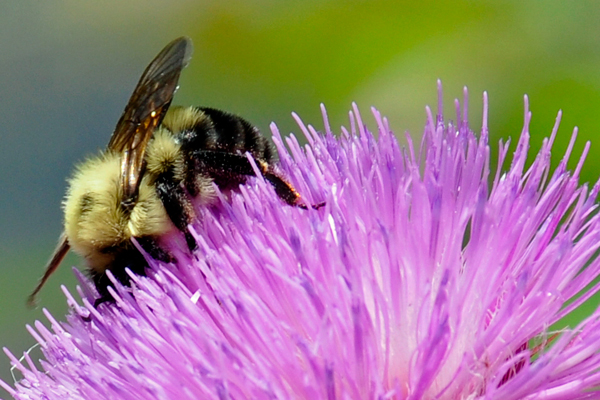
(176, 179)
(161, 162)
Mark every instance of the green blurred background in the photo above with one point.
(68, 67)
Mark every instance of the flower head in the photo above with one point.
(426, 275)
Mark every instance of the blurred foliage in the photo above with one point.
(69, 67)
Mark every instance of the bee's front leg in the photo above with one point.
(178, 206)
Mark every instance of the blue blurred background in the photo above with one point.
(67, 69)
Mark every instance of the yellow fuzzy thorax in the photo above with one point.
(97, 225)
(94, 218)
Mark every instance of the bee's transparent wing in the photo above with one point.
(144, 112)
(59, 253)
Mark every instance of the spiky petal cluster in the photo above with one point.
(423, 277)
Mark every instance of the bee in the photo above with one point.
(160, 160)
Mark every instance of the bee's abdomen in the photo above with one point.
(234, 134)
(205, 128)
(213, 144)
(191, 128)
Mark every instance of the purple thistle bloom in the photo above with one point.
(419, 279)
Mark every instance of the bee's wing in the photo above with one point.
(144, 112)
(59, 253)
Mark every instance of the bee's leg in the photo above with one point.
(150, 246)
(287, 192)
(223, 163)
(105, 298)
(177, 204)
(127, 257)
(130, 258)
(102, 283)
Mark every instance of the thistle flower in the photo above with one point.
(425, 276)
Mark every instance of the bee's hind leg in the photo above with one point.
(217, 163)
(286, 191)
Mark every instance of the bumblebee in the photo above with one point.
(160, 160)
